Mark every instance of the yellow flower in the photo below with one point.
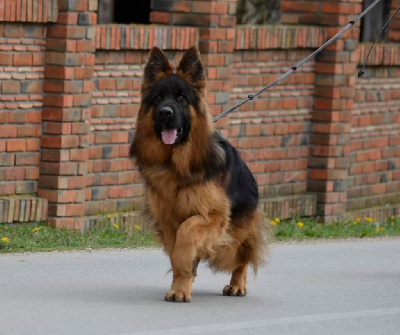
(277, 220)
(380, 229)
(35, 230)
(109, 217)
(5, 240)
(300, 224)
(355, 222)
(116, 226)
(368, 219)
(136, 226)
(393, 217)
(273, 223)
(358, 220)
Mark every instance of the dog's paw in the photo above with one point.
(178, 296)
(234, 290)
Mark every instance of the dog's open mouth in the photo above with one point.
(169, 136)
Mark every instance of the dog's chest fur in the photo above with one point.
(174, 198)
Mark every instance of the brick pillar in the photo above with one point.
(216, 21)
(394, 27)
(69, 62)
(335, 78)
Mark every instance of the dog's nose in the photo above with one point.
(165, 112)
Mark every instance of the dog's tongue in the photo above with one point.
(168, 136)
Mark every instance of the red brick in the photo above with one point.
(57, 128)
(79, 155)
(33, 144)
(6, 58)
(159, 17)
(54, 155)
(77, 182)
(182, 6)
(118, 165)
(59, 223)
(7, 189)
(8, 131)
(11, 87)
(17, 145)
(22, 59)
(109, 179)
(29, 131)
(341, 8)
(300, 6)
(27, 159)
(75, 210)
(31, 86)
(58, 100)
(120, 137)
(67, 18)
(59, 72)
(14, 174)
(117, 192)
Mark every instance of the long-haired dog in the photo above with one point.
(200, 194)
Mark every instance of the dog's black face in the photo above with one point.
(171, 99)
(172, 95)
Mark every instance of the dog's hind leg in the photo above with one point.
(197, 233)
(237, 286)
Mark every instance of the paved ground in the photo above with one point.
(323, 288)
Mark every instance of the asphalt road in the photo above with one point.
(322, 288)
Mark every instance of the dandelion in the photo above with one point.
(5, 240)
(368, 219)
(277, 220)
(358, 220)
(355, 222)
(273, 223)
(136, 226)
(300, 224)
(35, 230)
(393, 218)
(116, 226)
(380, 229)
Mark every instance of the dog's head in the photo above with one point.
(173, 96)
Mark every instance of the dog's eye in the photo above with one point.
(180, 98)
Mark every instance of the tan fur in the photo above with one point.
(192, 216)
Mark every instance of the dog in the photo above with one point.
(200, 194)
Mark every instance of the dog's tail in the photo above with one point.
(263, 241)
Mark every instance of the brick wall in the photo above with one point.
(272, 131)
(21, 71)
(68, 86)
(321, 142)
(374, 174)
(394, 28)
(22, 60)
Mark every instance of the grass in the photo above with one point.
(359, 228)
(40, 237)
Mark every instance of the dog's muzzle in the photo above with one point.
(170, 131)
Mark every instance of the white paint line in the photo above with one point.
(260, 324)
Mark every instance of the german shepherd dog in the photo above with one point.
(200, 194)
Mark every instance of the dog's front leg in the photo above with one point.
(195, 234)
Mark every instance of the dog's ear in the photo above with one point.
(156, 64)
(190, 65)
